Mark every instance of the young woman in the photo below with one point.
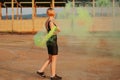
(51, 46)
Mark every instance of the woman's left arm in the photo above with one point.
(58, 28)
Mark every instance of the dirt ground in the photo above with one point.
(20, 59)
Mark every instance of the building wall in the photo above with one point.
(22, 25)
(99, 24)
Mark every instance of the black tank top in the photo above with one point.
(48, 26)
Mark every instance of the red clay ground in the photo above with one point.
(20, 59)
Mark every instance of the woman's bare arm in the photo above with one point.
(52, 25)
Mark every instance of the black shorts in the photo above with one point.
(52, 45)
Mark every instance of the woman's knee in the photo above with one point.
(54, 57)
(50, 58)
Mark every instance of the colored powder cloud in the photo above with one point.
(41, 38)
(74, 21)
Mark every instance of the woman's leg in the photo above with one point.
(53, 65)
(47, 62)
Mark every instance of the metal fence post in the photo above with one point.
(93, 2)
(33, 14)
(12, 14)
(0, 10)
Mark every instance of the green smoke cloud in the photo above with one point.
(74, 21)
(40, 38)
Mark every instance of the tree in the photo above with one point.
(103, 3)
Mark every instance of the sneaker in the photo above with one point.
(54, 78)
(58, 76)
(41, 74)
